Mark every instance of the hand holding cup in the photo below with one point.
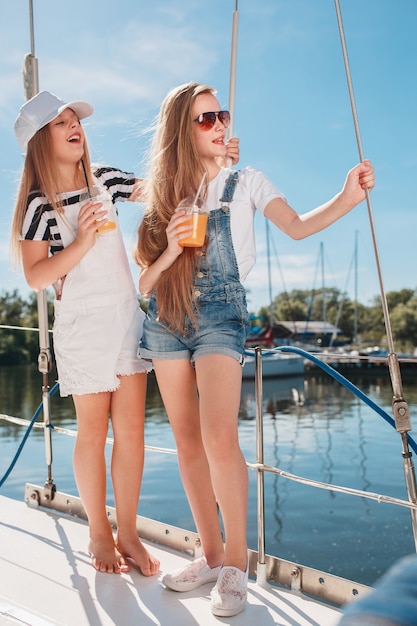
(197, 213)
(98, 194)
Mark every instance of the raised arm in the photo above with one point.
(298, 226)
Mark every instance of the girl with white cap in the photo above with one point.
(98, 320)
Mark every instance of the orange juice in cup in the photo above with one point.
(106, 227)
(100, 194)
(199, 224)
(198, 216)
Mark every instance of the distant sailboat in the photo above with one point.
(274, 364)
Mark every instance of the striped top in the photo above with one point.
(40, 223)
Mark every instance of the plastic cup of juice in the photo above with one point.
(198, 215)
(99, 194)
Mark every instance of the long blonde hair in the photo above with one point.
(175, 171)
(41, 173)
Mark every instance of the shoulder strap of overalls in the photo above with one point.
(229, 189)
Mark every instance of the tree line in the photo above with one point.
(360, 325)
(366, 322)
(19, 337)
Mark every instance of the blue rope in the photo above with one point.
(346, 383)
(324, 366)
(29, 428)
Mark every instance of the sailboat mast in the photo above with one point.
(355, 312)
(268, 254)
(323, 296)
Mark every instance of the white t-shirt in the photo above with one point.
(253, 192)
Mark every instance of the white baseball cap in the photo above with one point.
(42, 109)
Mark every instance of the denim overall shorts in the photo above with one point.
(223, 320)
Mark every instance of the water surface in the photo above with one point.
(313, 427)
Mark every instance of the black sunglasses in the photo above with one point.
(207, 120)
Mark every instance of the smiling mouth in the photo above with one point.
(74, 138)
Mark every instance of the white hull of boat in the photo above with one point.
(274, 364)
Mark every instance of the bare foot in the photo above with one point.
(134, 549)
(105, 557)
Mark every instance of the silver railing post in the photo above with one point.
(261, 568)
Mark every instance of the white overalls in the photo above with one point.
(98, 320)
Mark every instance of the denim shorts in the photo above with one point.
(223, 325)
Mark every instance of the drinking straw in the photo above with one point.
(86, 179)
(200, 187)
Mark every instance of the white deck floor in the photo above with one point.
(46, 578)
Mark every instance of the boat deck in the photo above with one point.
(46, 578)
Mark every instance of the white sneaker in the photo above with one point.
(228, 597)
(191, 576)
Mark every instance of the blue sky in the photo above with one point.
(292, 112)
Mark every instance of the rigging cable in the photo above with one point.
(399, 405)
(261, 565)
(397, 380)
(233, 56)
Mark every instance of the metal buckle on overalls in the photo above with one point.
(229, 190)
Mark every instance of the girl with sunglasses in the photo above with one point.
(197, 319)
